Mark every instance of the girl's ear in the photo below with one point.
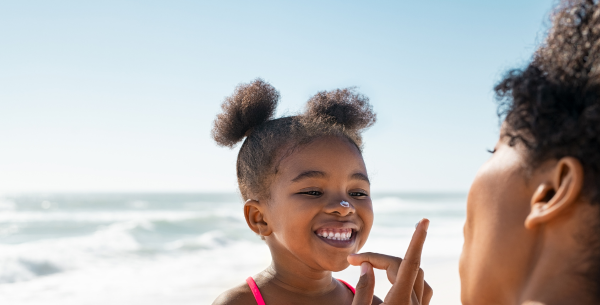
(254, 212)
(560, 191)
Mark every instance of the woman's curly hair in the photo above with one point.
(248, 113)
(553, 107)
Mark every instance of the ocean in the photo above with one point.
(185, 248)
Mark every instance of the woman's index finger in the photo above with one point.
(409, 268)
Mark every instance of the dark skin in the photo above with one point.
(522, 236)
(520, 246)
(407, 278)
(521, 231)
(305, 196)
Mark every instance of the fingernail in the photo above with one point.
(426, 224)
(363, 268)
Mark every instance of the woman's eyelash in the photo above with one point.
(357, 194)
(491, 151)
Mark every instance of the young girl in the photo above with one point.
(306, 191)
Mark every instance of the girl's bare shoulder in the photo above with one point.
(239, 295)
(242, 295)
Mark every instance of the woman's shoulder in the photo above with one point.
(239, 295)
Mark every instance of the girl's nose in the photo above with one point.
(340, 207)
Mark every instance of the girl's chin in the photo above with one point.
(340, 268)
(336, 266)
(336, 260)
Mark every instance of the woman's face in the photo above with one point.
(320, 207)
(497, 246)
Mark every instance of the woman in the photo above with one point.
(532, 234)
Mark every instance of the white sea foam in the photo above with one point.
(27, 261)
(6, 205)
(130, 253)
(108, 216)
(395, 204)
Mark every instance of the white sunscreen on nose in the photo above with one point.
(345, 203)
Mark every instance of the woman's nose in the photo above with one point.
(340, 207)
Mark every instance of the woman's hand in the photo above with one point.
(407, 277)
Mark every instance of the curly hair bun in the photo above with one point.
(250, 105)
(571, 53)
(342, 107)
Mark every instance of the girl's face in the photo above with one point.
(320, 208)
(497, 246)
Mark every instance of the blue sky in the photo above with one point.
(121, 95)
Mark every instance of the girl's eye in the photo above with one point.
(357, 194)
(312, 193)
(491, 151)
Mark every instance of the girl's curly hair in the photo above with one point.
(552, 106)
(248, 113)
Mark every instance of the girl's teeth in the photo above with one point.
(335, 235)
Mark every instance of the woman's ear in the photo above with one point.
(256, 219)
(560, 191)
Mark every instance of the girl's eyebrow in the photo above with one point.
(320, 174)
(309, 174)
(360, 176)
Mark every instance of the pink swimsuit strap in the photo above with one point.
(259, 299)
(255, 291)
(349, 286)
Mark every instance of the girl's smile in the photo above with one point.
(305, 187)
(306, 221)
(339, 234)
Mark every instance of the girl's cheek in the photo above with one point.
(368, 215)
